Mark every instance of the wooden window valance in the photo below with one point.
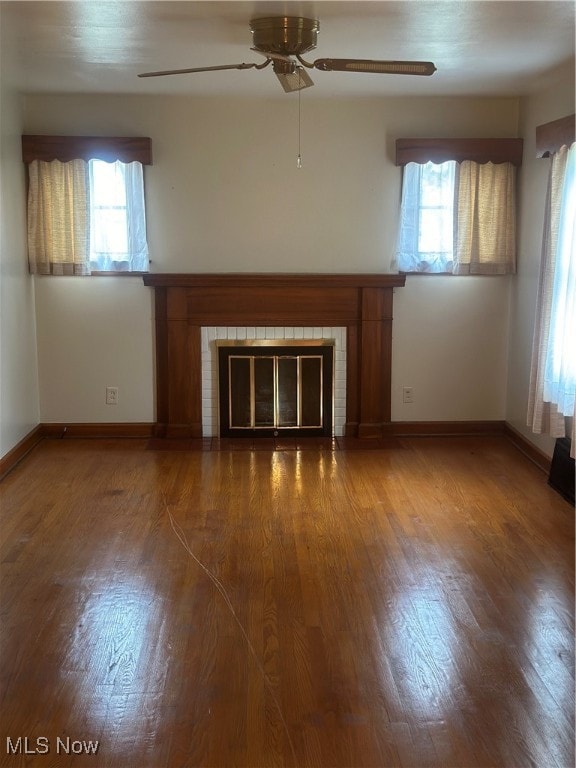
(127, 149)
(442, 150)
(551, 136)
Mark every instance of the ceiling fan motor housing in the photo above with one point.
(289, 35)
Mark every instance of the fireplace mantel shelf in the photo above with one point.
(273, 279)
(360, 302)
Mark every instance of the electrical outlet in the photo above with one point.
(111, 395)
(407, 394)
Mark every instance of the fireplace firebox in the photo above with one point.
(275, 388)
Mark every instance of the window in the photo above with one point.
(427, 214)
(560, 381)
(553, 376)
(117, 217)
(86, 210)
(560, 371)
(457, 218)
(458, 209)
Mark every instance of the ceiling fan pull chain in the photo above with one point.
(299, 158)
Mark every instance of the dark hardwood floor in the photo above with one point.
(410, 605)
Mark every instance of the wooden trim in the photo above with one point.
(161, 361)
(535, 455)
(147, 431)
(445, 428)
(273, 280)
(65, 148)
(551, 136)
(108, 430)
(352, 379)
(441, 150)
(113, 273)
(20, 450)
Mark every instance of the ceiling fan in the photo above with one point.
(283, 39)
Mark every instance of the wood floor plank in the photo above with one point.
(410, 606)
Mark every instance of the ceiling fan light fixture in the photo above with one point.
(294, 81)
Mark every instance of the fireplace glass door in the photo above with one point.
(275, 390)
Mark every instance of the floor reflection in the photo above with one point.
(418, 632)
(114, 629)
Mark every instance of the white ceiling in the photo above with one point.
(480, 47)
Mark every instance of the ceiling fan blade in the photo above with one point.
(201, 69)
(370, 65)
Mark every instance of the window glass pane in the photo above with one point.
(426, 230)
(117, 217)
(108, 224)
(109, 234)
(109, 186)
(435, 235)
(437, 184)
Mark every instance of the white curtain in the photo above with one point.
(553, 374)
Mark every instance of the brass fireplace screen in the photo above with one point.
(275, 387)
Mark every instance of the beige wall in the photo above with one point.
(551, 102)
(224, 194)
(19, 412)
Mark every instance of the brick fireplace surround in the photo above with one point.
(184, 303)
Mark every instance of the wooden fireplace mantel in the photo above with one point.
(186, 302)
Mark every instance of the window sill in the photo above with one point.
(428, 274)
(119, 273)
(451, 274)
